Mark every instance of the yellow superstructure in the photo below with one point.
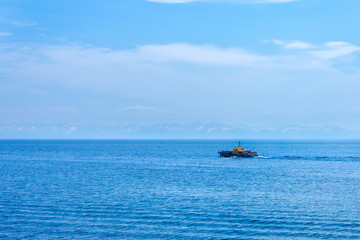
(238, 150)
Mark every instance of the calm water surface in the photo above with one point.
(179, 190)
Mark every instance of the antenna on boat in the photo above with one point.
(239, 144)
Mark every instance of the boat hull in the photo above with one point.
(229, 154)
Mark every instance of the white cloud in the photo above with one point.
(327, 51)
(5, 34)
(224, 1)
(199, 54)
(259, 1)
(85, 65)
(292, 44)
(172, 1)
(134, 108)
(176, 83)
(335, 49)
(71, 129)
(91, 63)
(336, 44)
(174, 131)
(22, 23)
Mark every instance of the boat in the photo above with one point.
(238, 152)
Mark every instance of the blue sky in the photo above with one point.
(176, 68)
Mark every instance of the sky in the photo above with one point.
(179, 69)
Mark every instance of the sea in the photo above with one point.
(179, 189)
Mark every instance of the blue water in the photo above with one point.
(179, 190)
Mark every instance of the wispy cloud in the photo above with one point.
(134, 108)
(333, 50)
(292, 44)
(71, 129)
(172, 1)
(91, 62)
(199, 54)
(171, 131)
(223, 1)
(326, 51)
(183, 82)
(22, 23)
(5, 34)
